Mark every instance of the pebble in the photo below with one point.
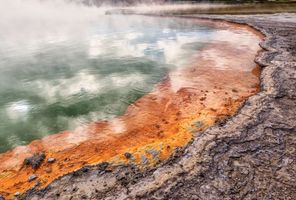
(51, 160)
(17, 194)
(202, 98)
(128, 155)
(32, 177)
(103, 166)
(144, 160)
(35, 161)
(48, 170)
(154, 153)
(38, 183)
(84, 169)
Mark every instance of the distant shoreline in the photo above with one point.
(204, 8)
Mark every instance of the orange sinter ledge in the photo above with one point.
(186, 102)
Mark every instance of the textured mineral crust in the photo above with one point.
(214, 84)
(251, 155)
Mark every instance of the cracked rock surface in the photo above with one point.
(250, 156)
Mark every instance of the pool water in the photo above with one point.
(92, 87)
(59, 76)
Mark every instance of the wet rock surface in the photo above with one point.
(35, 161)
(252, 155)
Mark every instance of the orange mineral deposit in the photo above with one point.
(190, 99)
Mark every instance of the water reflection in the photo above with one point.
(140, 95)
(60, 77)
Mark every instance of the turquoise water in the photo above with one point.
(55, 77)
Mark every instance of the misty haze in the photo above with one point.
(159, 99)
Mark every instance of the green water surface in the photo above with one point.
(62, 76)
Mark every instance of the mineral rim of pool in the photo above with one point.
(218, 74)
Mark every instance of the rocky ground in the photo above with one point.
(252, 155)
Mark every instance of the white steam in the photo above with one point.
(31, 22)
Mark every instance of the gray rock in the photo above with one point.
(155, 154)
(38, 183)
(103, 166)
(32, 177)
(51, 160)
(144, 160)
(35, 161)
(17, 194)
(128, 155)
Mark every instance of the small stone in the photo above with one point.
(38, 183)
(234, 90)
(202, 98)
(103, 166)
(32, 177)
(35, 161)
(51, 160)
(17, 194)
(144, 160)
(154, 153)
(84, 169)
(128, 155)
(48, 170)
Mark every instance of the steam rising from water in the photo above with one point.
(155, 8)
(20, 17)
(41, 11)
(66, 64)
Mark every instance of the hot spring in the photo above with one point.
(87, 87)
(59, 78)
(55, 80)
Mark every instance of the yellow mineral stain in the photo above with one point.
(186, 102)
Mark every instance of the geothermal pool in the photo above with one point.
(59, 79)
(118, 89)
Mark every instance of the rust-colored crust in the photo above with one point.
(186, 102)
